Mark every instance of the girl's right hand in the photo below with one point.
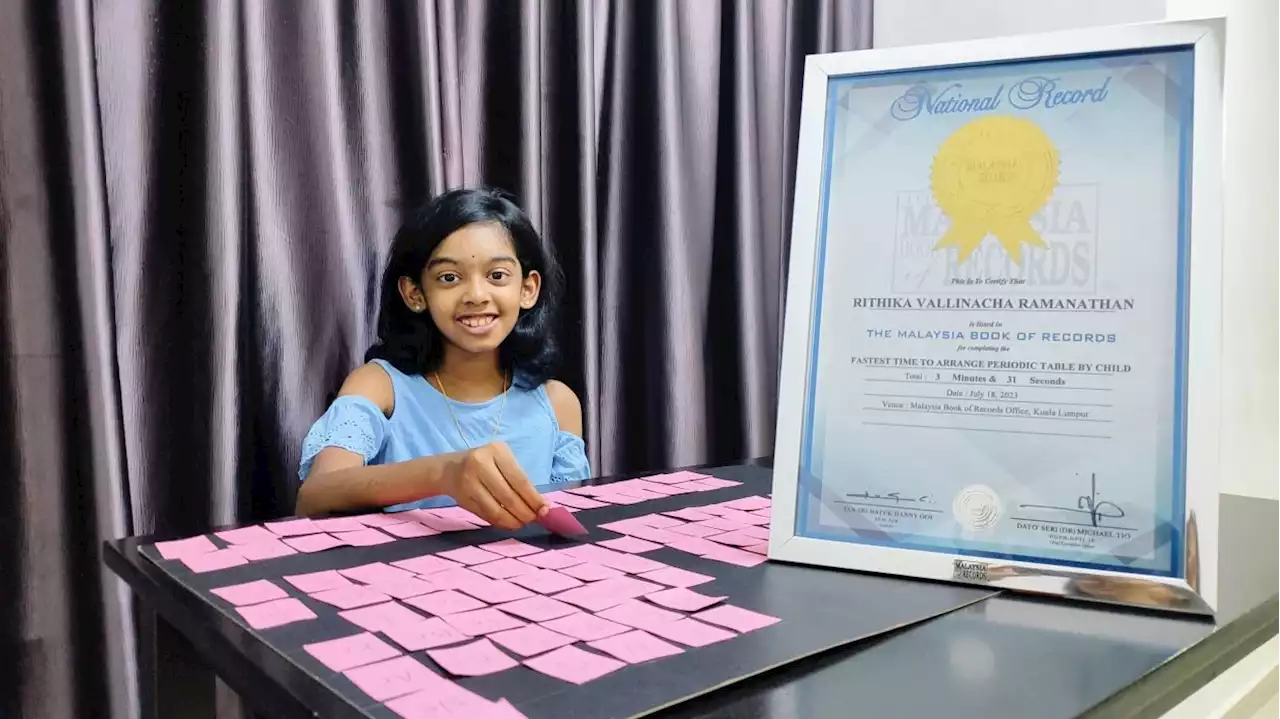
(489, 482)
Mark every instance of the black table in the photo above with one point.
(1008, 656)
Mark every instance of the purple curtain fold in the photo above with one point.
(196, 199)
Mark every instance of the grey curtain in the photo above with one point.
(196, 198)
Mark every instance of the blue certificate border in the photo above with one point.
(809, 482)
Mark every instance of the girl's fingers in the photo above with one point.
(519, 484)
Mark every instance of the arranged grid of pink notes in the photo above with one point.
(575, 613)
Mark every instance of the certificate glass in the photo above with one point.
(994, 316)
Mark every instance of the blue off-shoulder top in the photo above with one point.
(422, 424)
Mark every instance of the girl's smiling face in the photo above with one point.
(473, 287)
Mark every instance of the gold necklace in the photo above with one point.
(497, 422)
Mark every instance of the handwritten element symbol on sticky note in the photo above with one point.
(573, 665)
(392, 678)
(472, 660)
(351, 652)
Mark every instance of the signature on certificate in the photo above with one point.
(1086, 504)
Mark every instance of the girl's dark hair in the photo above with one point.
(411, 341)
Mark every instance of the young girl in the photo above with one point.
(455, 398)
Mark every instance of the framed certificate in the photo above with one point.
(1001, 354)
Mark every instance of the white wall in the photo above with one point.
(915, 22)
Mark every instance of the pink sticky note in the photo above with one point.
(405, 588)
(459, 513)
(635, 647)
(425, 565)
(510, 548)
(572, 500)
(559, 521)
(496, 591)
(338, 524)
(659, 521)
(382, 519)
(263, 550)
(538, 609)
(691, 633)
(314, 542)
(735, 539)
(587, 627)
(449, 701)
(695, 530)
(479, 622)
(631, 545)
(212, 561)
(624, 526)
(573, 665)
(391, 678)
(472, 660)
(761, 549)
(246, 535)
(351, 652)
(378, 617)
(470, 555)
(456, 578)
(630, 563)
(364, 538)
(693, 486)
(766, 513)
(691, 514)
(661, 536)
(275, 613)
(736, 618)
(722, 524)
(350, 597)
(504, 568)
(531, 640)
(685, 600)
(409, 530)
(546, 581)
(756, 531)
(744, 518)
(591, 572)
(293, 527)
(694, 545)
(189, 547)
(375, 572)
(318, 581)
(676, 577)
(427, 634)
(665, 490)
(635, 613)
(250, 593)
(552, 560)
(618, 498)
(676, 477)
(733, 555)
(637, 492)
(441, 524)
(445, 602)
(715, 483)
(748, 504)
(608, 593)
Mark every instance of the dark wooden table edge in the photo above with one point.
(1189, 671)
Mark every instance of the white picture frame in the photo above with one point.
(1192, 584)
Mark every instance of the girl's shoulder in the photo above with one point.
(564, 405)
(373, 382)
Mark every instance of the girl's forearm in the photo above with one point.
(376, 486)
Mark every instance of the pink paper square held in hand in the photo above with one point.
(472, 660)
(573, 665)
(351, 652)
